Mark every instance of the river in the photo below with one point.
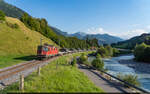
(128, 66)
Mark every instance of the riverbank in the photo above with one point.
(109, 86)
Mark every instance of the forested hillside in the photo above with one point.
(41, 25)
(10, 10)
(131, 43)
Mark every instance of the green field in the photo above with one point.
(18, 42)
(64, 78)
(9, 60)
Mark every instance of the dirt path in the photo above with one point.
(107, 85)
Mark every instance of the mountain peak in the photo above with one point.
(81, 33)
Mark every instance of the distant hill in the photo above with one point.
(131, 43)
(19, 40)
(102, 38)
(58, 31)
(10, 10)
(79, 35)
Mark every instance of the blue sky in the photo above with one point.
(123, 18)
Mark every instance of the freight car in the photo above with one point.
(47, 51)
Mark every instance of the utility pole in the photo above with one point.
(59, 42)
(41, 41)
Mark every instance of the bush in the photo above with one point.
(2, 16)
(98, 55)
(107, 51)
(142, 52)
(115, 52)
(15, 26)
(83, 58)
(98, 63)
(87, 63)
(73, 63)
(131, 79)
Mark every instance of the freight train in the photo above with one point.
(47, 51)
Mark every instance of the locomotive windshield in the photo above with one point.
(45, 49)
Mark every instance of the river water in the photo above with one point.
(114, 67)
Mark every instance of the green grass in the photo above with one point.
(64, 78)
(6, 61)
(17, 42)
(9, 60)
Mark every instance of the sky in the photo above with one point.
(122, 18)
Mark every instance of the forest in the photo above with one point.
(41, 25)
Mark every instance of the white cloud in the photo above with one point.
(135, 25)
(125, 35)
(99, 30)
(132, 33)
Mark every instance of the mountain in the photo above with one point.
(58, 31)
(131, 43)
(19, 40)
(11, 10)
(79, 35)
(105, 38)
(102, 38)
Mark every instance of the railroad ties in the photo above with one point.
(12, 74)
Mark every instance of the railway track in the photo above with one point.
(10, 75)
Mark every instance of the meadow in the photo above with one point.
(18, 44)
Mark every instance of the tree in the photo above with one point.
(109, 50)
(41, 26)
(102, 51)
(2, 16)
(83, 58)
(98, 63)
(139, 52)
(147, 54)
(115, 52)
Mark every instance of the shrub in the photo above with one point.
(2, 16)
(98, 55)
(15, 26)
(109, 50)
(98, 63)
(115, 52)
(142, 52)
(102, 51)
(147, 54)
(83, 58)
(131, 79)
(87, 63)
(73, 63)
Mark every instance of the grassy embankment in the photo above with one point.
(16, 44)
(64, 78)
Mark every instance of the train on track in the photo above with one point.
(48, 51)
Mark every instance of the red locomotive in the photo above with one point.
(45, 51)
